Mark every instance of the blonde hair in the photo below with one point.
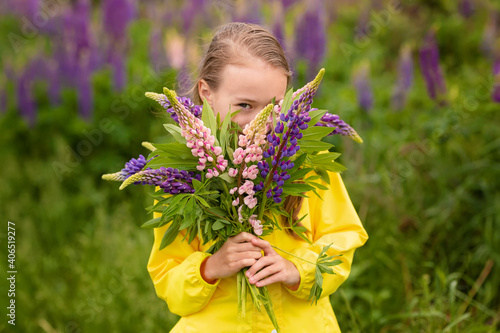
(232, 44)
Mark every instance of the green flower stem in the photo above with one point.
(293, 255)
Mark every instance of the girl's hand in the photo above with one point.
(272, 268)
(236, 253)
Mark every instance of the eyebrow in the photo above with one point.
(254, 101)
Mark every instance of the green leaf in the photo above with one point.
(208, 118)
(218, 225)
(301, 173)
(170, 235)
(315, 133)
(176, 163)
(153, 223)
(224, 132)
(197, 185)
(175, 130)
(175, 149)
(323, 174)
(225, 176)
(287, 101)
(316, 117)
(311, 146)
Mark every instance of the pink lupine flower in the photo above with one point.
(236, 202)
(234, 189)
(233, 172)
(256, 224)
(247, 188)
(198, 136)
(250, 201)
(254, 135)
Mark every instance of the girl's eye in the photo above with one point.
(244, 105)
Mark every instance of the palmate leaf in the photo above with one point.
(323, 264)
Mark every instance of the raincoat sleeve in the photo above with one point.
(175, 271)
(333, 221)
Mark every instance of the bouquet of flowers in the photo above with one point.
(221, 180)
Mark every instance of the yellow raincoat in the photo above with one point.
(205, 307)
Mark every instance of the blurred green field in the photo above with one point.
(425, 183)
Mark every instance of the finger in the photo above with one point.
(270, 280)
(264, 245)
(261, 263)
(245, 255)
(265, 273)
(245, 247)
(238, 265)
(243, 237)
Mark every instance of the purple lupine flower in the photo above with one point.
(280, 149)
(81, 25)
(172, 181)
(119, 70)
(132, 167)
(3, 99)
(247, 12)
(363, 87)
(117, 14)
(190, 13)
(165, 103)
(466, 8)
(431, 69)
(156, 51)
(310, 38)
(84, 89)
(496, 84)
(340, 126)
(54, 84)
(25, 100)
(405, 78)
(279, 23)
(287, 3)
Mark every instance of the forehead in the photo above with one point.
(255, 80)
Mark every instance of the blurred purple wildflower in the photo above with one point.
(466, 8)
(81, 19)
(116, 15)
(190, 13)
(405, 78)
(25, 100)
(84, 89)
(310, 38)
(496, 81)
(279, 23)
(431, 69)
(119, 70)
(363, 87)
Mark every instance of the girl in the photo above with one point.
(245, 68)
